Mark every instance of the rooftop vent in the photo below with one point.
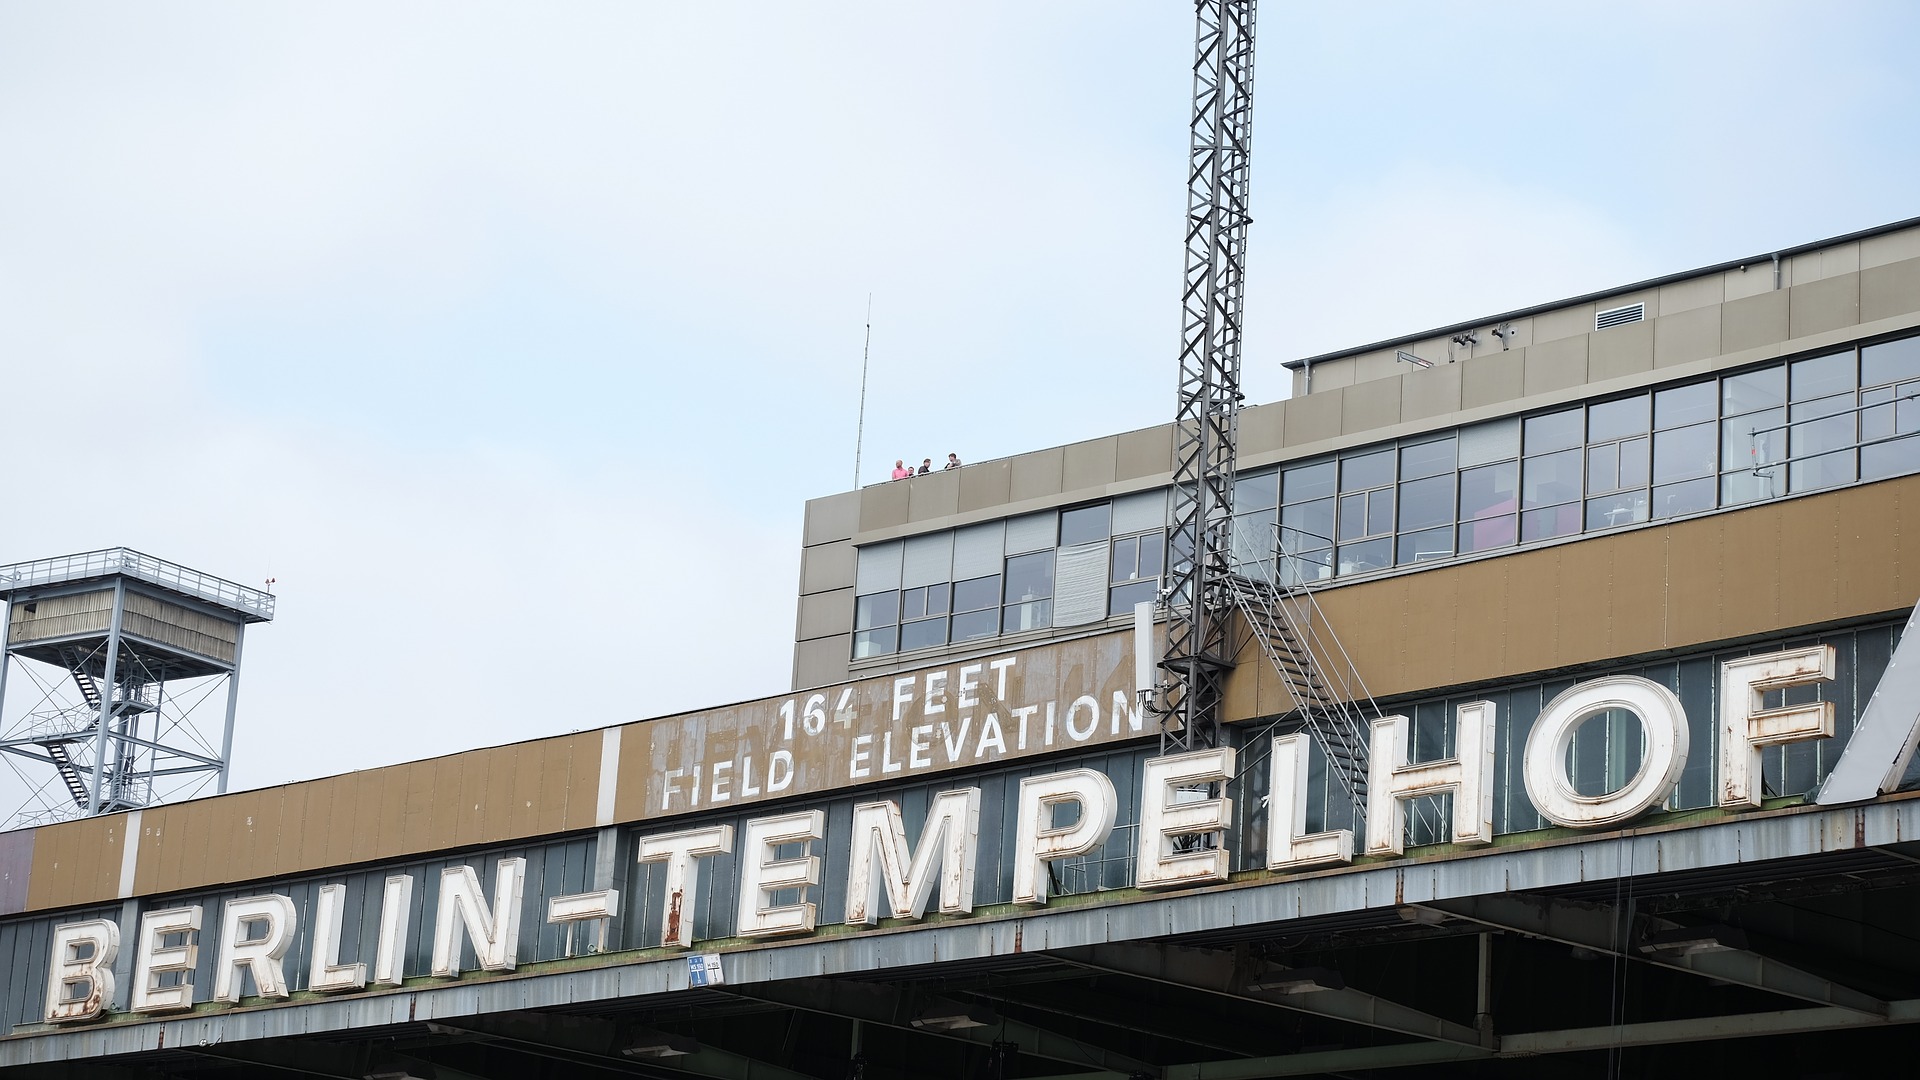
(1619, 316)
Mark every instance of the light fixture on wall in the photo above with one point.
(1408, 358)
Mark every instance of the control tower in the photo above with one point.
(121, 660)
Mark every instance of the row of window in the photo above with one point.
(1722, 441)
(1050, 569)
(1758, 434)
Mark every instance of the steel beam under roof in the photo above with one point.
(1607, 930)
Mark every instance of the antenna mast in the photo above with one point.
(860, 423)
(1206, 427)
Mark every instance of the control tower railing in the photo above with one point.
(254, 605)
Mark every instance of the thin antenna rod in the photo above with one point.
(860, 425)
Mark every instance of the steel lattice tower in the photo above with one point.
(1207, 423)
(129, 655)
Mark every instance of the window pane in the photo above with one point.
(1353, 517)
(1624, 508)
(1634, 470)
(1367, 555)
(1418, 547)
(976, 624)
(1554, 478)
(1122, 598)
(1126, 555)
(1030, 577)
(1495, 440)
(1487, 533)
(1684, 453)
(1380, 512)
(1876, 415)
(1603, 467)
(1253, 540)
(877, 642)
(1688, 498)
(1304, 567)
(1821, 375)
(1034, 615)
(1742, 487)
(973, 595)
(1426, 459)
(1554, 431)
(1153, 553)
(1487, 491)
(878, 609)
(1890, 361)
(913, 603)
(1890, 458)
(1366, 471)
(1548, 523)
(1426, 503)
(1763, 389)
(1753, 440)
(1085, 524)
(923, 634)
(1684, 405)
(1256, 491)
(1303, 482)
(1307, 525)
(1820, 472)
(937, 599)
(1817, 436)
(1611, 420)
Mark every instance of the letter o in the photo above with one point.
(1545, 768)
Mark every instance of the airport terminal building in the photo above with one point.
(1618, 583)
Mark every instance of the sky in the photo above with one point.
(510, 339)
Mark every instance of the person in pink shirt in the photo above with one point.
(900, 470)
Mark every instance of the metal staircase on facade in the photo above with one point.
(1330, 699)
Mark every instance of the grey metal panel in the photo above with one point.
(928, 560)
(1032, 532)
(1139, 512)
(979, 549)
(1080, 584)
(16, 865)
(878, 568)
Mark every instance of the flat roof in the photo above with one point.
(1536, 309)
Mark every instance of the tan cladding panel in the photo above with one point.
(76, 862)
(61, 616)
(486, 796)
(1801, 562)
(183, 628)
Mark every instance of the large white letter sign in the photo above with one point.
(1663, 757)
(1392, 779)
(1175, 802)
(1287, 812)
(80, 974)
(262, 955)
(1746, 728)
(761, 873)
(495, 934)
(325, 972)
(678, 850)
(881, 858)
(1037, 841)
(152, 960)
(396, 910)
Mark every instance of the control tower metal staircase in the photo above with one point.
(56, 746)
(1330, 699)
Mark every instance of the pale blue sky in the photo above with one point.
(511, 338)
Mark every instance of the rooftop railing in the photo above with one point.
(254, 604)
